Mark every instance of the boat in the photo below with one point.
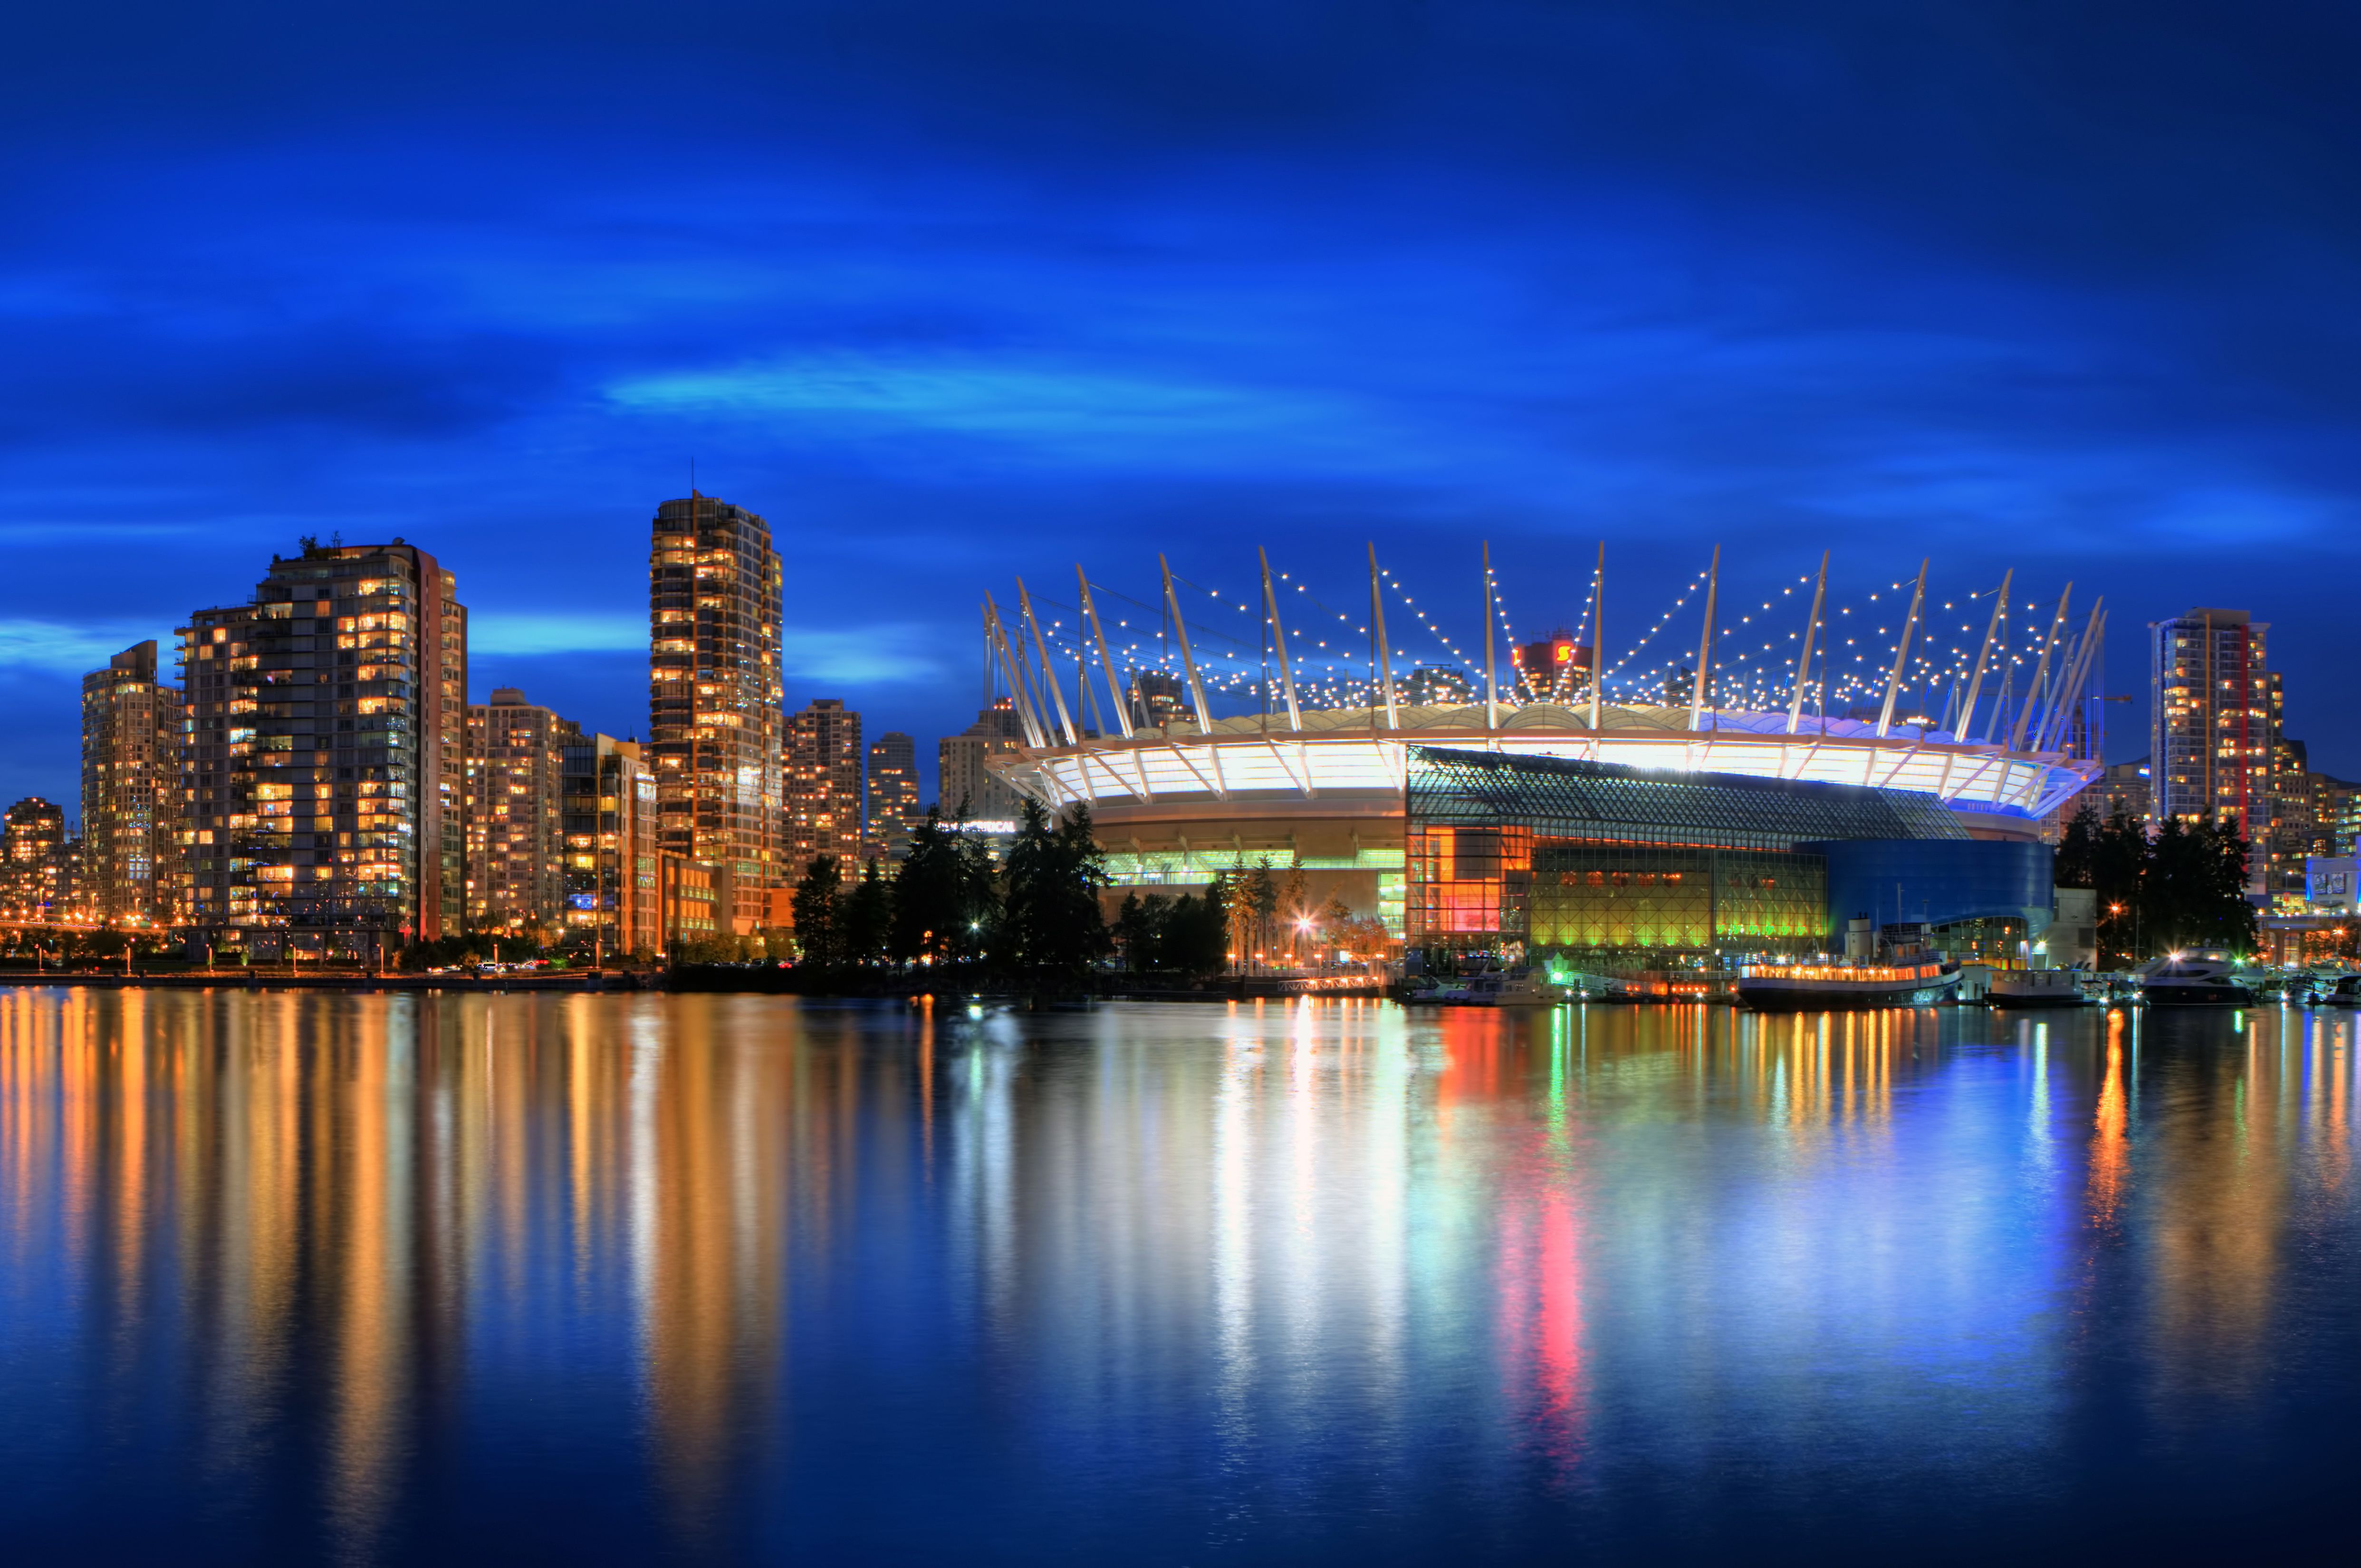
(2344, 992)
(2192, 980)
(2037, 988)
(1492, 988)
(1421, 990)
(1842, 984)
(1516, 988)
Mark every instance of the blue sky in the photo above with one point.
(953, 294)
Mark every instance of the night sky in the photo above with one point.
(955, 293)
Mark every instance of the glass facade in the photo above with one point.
(1607, 864)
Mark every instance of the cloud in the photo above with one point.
(63, 650)
(1068, 410)
(530, 633)
(888, 653)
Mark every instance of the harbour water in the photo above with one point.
(291, 1278)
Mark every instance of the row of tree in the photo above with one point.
(1037, 916)
(2182, 886)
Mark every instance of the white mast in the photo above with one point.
(1035, 734)
(1597, 636)
(1804, 664)
(1385, 669)
(1491, 688)
(1278, 634)
(1902, 652)
(1983, 655)
(1188, 660)
(1048, 671)
(1090, 612)
(1704, 647)
(2040, 673)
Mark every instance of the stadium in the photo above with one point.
(1209, 732)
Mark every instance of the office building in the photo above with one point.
(823, 786)
(714, 698)
(516, 873)
(324, 773)
(893, 796)
(2215, 732)
(971, 789)
(610, 825)
(130, 789)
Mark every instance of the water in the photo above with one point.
(291, 1278)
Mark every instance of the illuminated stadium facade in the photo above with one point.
(1314, 778)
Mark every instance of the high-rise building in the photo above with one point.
(2121, 790)
(1436, 684)
(1157, 699)
(893, 793)
(33, 861)
(611, 874)
(714, 698)
(970, 789)
(516, 874)
(130, 788)
(823, 785)
(2212, 712)
(324, 773)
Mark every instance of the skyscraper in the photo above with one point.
(130, 787)
(714, 697)
(516, 875)
(325, 768)
(893, 792)
(970, 789)
(612, 872)
(2212, 705)
(823, 785)
(32, 851)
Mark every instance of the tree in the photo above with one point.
(1295, 912)
(1139, 931)
(2182, 886)
(944, 898)
(1257, 902)
(1196, 936)
(816, 911)
(865, 917)
(1050, 924)
(2195, 889)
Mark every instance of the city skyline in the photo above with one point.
(949, 306)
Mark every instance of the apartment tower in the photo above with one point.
(714, 697)
(893, 793)
(516, 755)
(33, 856)
(130, 788)
(609, 821)
(324, 766)
(2213, 709)
(970, 788)
(823, 785)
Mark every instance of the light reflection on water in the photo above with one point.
(287, 1277)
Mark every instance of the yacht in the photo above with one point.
(2037, 988)
(1836, 984)
(2345, 992)
(1491, 988)
(2192, 980)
